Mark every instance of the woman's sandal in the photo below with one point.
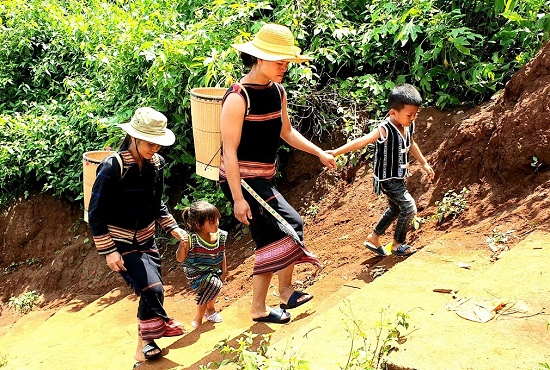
(151, 347)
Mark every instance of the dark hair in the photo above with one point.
(248, 60)
(198, 213)
(126, 142)
(402, 95)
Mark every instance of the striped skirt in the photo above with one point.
(275, 249)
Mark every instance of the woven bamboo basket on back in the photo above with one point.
(206, 108)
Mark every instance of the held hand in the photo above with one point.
(332, 152)
(115, 262)
(429, 171)
(179, 234)
(242, 211)
(328, 160)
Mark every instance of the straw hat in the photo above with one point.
(273, 42)
(149, 125)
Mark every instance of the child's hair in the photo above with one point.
(402, 95)
(198, 213)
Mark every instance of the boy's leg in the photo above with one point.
(407, 211)
(387, 218)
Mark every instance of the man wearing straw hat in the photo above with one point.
(254, 117)
(125, 205)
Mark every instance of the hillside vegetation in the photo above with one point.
(71, 70)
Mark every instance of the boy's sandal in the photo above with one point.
(404, 250)
(215, 317)
(381, 251)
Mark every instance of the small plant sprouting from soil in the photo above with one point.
(418, 221)
(371, 354)
(536, 164)
(452, 204)
(312, 211)
(15, 265)
(25, 303)
(3, 360)
(498, 240)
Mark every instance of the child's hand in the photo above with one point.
(429, 171)
(332, 152)
(179, 234)
(328, 160)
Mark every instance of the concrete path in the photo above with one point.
(102, 335)
(516, 338)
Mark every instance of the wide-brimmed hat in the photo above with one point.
(149, 125)
(273, 42)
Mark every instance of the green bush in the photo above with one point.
(71, 70)
(25, 303)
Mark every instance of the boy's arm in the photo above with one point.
(357, 143)
(415, 151)
(183, 249)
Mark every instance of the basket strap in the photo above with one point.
(247, 98)
(289, 229)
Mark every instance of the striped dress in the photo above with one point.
(203, 266)
(257, 156)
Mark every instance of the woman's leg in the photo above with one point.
(285, 283)
(260, 286)
(140, 356)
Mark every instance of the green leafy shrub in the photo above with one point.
(452, 204)
(26, 302)
(72, 70)
(243, 357)
(370, 352)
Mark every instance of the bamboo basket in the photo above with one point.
(90, 162)
(206, 108)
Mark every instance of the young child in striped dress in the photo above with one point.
(203, 257)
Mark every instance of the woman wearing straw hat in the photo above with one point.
(254, 117)
(125, 204)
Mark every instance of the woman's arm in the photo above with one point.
(232, 118)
